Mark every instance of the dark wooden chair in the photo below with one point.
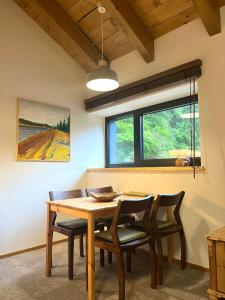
(121, 239)
(162, 229)
(71, 228)
(107, 221)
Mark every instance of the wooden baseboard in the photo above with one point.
(30, 249)
(191, 265)
(177, 261)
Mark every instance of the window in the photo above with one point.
(152, 136)
(121, 133)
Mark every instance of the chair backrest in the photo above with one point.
(167, 201)
(106, 189)
(62, 195)
(170, 199)
(132, 206)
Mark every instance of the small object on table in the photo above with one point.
(216, 249)
(105, 197)
(182, 162)
(139, 194)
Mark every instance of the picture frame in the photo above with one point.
(43, 132)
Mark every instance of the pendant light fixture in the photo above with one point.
(103, 78)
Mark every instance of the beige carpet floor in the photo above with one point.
(22, 278)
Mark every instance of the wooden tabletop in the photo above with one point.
(217, 235)
(89, 204)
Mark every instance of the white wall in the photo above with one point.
(204, 205)
(34, 67)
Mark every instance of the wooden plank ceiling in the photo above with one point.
(128, 24)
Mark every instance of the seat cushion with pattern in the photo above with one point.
(125, 235)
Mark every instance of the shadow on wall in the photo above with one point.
(199, 219)
(82, 181)
(209, 216)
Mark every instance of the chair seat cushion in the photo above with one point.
(123, 219)
(79, 224)
(125, 235)
(164, 224)
(73, 224)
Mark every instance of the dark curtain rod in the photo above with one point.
(149, 84)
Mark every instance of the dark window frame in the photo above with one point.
(138, 135)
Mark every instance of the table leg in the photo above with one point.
(170, 237)
(91, 257)
(49, 242)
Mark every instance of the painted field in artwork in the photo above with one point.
(43, 132)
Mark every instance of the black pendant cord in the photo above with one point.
(192, 81)
(194, 133)
(190, 111)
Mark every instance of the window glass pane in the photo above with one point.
(121, 144)
(167, 134)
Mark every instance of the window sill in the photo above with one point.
(148, 169)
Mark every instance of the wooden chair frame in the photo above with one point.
(130, 206)
(70, 233)
(106, 189)
(168, 201)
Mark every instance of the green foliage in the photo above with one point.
(64, 125)
(125, 140)
(166, 134)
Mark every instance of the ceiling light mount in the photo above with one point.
(101, 9)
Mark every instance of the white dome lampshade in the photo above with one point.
(103, 78)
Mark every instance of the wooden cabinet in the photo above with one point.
(216, 248)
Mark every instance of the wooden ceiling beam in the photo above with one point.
(209, 12)
(135, 29)
(55, 21)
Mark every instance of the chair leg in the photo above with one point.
(109, 258)
(81, 245)
(102, 257)
(160, 260)
(70, 256)
(129, 260)
(121, 274)
(109, 253)
(153, 262)
(86, 263)
(51, 238)
(183, 250)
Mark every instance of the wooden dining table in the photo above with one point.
(87, 208)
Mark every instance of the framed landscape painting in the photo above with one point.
(43, 132)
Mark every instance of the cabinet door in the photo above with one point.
(220, 266)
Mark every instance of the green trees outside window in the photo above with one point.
(157, 136)
(166, 134)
